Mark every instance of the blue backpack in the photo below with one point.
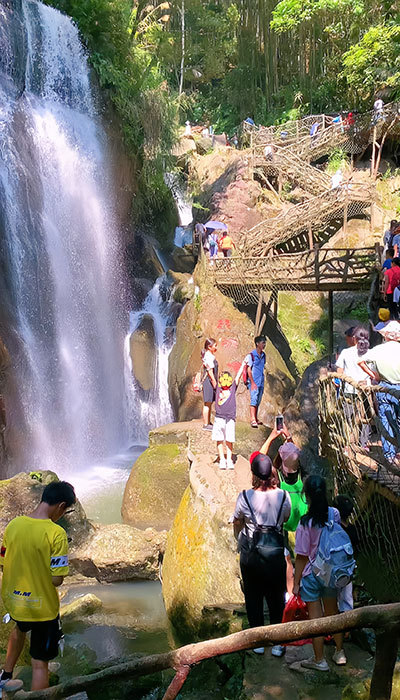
(334, 564)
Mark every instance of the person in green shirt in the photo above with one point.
(291, 475)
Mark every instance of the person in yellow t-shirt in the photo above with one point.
(34, 556)
(226, 244)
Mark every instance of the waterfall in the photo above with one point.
(150, 409)
(63, 285)
(183, 232)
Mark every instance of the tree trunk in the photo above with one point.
(182, 47)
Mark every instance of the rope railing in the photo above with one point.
(364, 439)
(360, 436)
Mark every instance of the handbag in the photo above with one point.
(267, 541)
(296, 610)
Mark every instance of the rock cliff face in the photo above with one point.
(211, 314)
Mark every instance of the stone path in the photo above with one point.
(268, 678)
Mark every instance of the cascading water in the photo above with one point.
(150, 409)
(183, 232)
(63, 285)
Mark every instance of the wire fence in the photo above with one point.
(360, 435)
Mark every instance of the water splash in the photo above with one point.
(153, 409)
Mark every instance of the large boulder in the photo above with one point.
(201, 566)
(211, 314)
(22, 493)
(157, 481)
(143, 353)
(120, 553)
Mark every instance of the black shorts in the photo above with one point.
(44, 638)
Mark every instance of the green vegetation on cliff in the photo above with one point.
(123, 42)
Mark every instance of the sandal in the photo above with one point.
(254, 424)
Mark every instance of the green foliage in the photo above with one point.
(123, 45)
(338, 158)
(374, 62)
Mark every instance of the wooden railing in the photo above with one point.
(299, 130)
(317, 269)
(314, 214)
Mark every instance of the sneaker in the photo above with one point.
(207, 427)
(229, 464)
(315, 665)
(11, 685)
(222, 463)
(259, 650)
(278, 650)
(339, 658)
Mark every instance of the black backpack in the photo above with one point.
(267, 541)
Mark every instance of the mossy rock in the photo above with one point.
(200, 571)
(20, 494)
(155, 486)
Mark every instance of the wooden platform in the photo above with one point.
(325, 269)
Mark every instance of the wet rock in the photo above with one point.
(81, 607)
(143, 353)
(120, 553)
(22, 493)
(156, 483)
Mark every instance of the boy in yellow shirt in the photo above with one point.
(34, 556)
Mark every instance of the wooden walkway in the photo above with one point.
(311, 217)
(320, 269)
(352, 137)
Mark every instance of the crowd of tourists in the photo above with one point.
(284, 504)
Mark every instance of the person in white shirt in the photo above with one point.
(386, 359)
(347, 364)
(210, 366)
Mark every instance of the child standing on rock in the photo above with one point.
(225, 416)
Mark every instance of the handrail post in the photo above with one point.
(316, 264)
(387, 641)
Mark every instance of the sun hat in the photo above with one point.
(261, 465)
(384, 314)
(225, 380)
(289, 455)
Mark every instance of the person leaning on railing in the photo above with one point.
(386, 359)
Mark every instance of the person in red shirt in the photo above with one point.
(392, 280)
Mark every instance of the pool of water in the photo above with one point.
(100, 487)
(132, 620)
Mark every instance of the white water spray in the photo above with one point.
(152, 409)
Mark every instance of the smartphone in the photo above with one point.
(279, 422)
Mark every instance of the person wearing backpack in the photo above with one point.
(314, 571)
(257, 524)
(291, 475)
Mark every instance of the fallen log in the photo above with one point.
(374, 616)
